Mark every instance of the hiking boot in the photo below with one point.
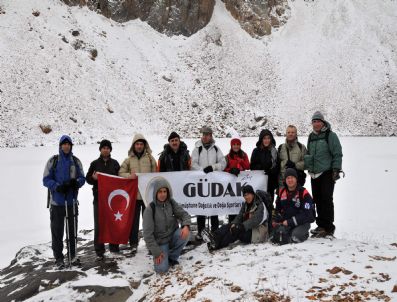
(100, 258)
(323, 233)
(209, 238)
(172, 262)
(59, 264)
(317, 230)
(199, 237)
(134, 248)
(210, 247)
(75, 261)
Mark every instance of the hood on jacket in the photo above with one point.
(63, 139)
(137, 137)
(263, 133)
(158, 183)
(200, 143)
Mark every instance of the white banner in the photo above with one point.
(216, 193)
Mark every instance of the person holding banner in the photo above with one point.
(249, 226)
(64, 176)
(139, 160)
(236, 161)
(264, 157)
(161, 232)
(107, 165)
(207, 157)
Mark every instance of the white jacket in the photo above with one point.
(212, 156)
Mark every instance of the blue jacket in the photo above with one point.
(297, 207)
(67, 167)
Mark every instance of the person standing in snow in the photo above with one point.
(207, 157)
(139, 160)
(264, 157)
(175, 156)
(104, 164)
(64, 176)
(249, 226)
(324, 164)
(164, 238)
(294, 209)
(291, 155)
(236, 161)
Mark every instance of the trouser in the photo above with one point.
(300, 233)
(57, 218)
(223, 236)
(100, 247)
(171, 250)
(201, 223)
(231, 218)
(323, 190)
(135, 227)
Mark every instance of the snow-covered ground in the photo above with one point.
(338, 56)
(365, 220)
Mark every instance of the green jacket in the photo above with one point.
(322, 155)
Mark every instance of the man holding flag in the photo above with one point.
(107, 165)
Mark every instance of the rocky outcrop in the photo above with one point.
(171, 17)
(258, 17)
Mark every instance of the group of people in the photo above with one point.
(166, 225)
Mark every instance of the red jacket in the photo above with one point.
(239, 161)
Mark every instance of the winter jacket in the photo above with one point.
(323, 155)
(295, 207)
(67, 167)
(254, 218)
(144, 164)
(296, 152)
(266, 159)
(111, 167)
(170, 161)
(159, 228)
(237, 160)
(212, 156)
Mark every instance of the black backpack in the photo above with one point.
(281, 235)
(266, 198)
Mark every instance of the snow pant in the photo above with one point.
(201, 223)
(100, 247)
(300, 233)
(223, 236)
(57, 218)
(135, 227)
(171, 250)
(230, 218)
(323, 190)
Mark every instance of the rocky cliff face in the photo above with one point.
(176, 17)
(172, 17)
(258, 17)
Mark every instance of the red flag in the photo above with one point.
(116, 208)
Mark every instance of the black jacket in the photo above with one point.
(111, 166)
(170, 161)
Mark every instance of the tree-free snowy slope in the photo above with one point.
(338, 56)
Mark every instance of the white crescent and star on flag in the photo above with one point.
(118, 215)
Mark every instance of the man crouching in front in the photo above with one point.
(161, 231)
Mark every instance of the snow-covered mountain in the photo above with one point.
(74, 71)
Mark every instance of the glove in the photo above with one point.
(335, 175)
(62, 188)
(234, 171)
(74, 184)
(208, 169)
(290, 164)
(238, 229)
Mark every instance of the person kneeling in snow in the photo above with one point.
(249, 226)
(161, 231)
(294, 212)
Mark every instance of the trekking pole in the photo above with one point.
(75, 225)
(67, 233)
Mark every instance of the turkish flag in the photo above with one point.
(116, 208)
